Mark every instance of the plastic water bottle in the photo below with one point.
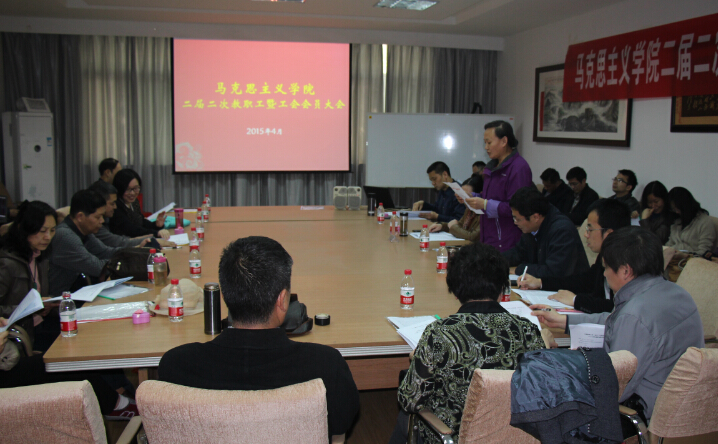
(442, 258)
(393, 227)
(160, 270)
(151, 266)
(407, 291)
(195, 262)
(175, 302)
(68, 316)
(209, 204)
(380, 214)
(193, 239)
(200, 230)
(199, 215)
(205, 209)
(424, 238)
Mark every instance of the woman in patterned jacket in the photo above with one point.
(481, 335)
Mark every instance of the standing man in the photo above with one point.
(623, 185)
(588, 291)
(549, 246)
(446, 208)
(583, 196)
(256, 354)
(653, 318)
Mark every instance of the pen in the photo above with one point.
(544, 309)
(523, 276)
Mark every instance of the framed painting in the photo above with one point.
(606, 123)
(694, 114)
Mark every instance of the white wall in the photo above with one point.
(676, 159)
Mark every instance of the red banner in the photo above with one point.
(678, 59)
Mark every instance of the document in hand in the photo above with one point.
(461, 193)
(180, 239)
(540, 297)
(586, 335)
(411, 329)
(153, 217)
(518, 308)
(31, 303)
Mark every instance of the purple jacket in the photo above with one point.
(500, 184)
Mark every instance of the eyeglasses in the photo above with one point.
(618, 179)
(134, 190)
(588, 230)
(574, 185)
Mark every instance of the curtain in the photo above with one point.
(463, 77)
(47, 67)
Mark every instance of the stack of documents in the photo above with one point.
(540, 297)
(109, 312)
(587, 335)
(436, 237)
(411, 329)
(89, 293)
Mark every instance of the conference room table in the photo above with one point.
(344, 266)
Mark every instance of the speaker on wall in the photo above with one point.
(354, 197)
(340, 198)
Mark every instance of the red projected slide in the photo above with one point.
(260, 106)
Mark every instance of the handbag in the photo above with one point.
(18, 346)
(131, 261)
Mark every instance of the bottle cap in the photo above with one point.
(153, 250)
(174, 281)
(199, 209)
(381, 204)
(193, 229)
(407, 272)
(394, 213)
(66, 295)
(443, 244)
(160, 259)
(206, 195)
(194, 247)
(424, 226)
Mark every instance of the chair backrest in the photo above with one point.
(715, 224)
(177, 414)
(61, 412)
(698, 278)
(487, 412)
(688, 400)
(590, 255)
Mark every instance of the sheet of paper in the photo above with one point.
(436, 237)
(457, 189)
(399, 322)
(586, 335)
(303, 207)
(121, 291)
(180, 239)
(514, 277)
(89, 293)
(636, 222)
(31, 303)
(540, 297)
(412, 333)
(153, 216)
(518, 308)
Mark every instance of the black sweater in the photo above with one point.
(588, 286)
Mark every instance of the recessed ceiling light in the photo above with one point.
(414, 5)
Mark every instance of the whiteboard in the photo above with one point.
(400, 147)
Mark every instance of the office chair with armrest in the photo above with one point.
(698, 278)
(177, 414)
(487, 412)
(56, 413)
(686, 406)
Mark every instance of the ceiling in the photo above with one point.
(496, 18)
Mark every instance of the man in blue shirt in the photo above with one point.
(446, 208)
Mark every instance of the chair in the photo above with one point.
(487, 412)
(685, 410)
(179, 414)
(56, 413)
(715, 224)
(698, 278)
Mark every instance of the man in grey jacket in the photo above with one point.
(654, 319)
(75, 249)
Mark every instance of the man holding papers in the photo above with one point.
(446, 207)
(75, 248)
(481, 335)
(550, 245)
(654, 319)
(587, 291)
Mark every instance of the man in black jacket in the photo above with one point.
(550, 245)
(555, 190)
(256, 354)
(583, 196)
(588, 291)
